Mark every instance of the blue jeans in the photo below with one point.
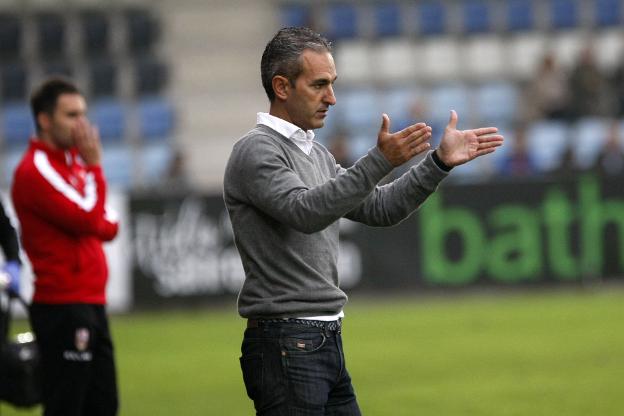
(296, 370)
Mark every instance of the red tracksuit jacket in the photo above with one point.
(60, 205)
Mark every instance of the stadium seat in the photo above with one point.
(95, 28)
(295, 15)
(110, 117)
(13, 82)
(103, 77)
(143, 29)
(432, 18)
(607, 13)
(441, 59)
(526, 51)
(590, 135)
(342, 21)
(485, 57)
(118, 164)
(150, 75)
(476, 16)
(564, 14)
(58, 67)
(567, 46)
(395, 60)
(51, 32)
(399, 103)
(520, 15)
(353, 58)
(154, 161)
(156, 118)
(547, 141)
(608, 49)
(446, 97)
(387, 19)
(360, 108)
(496, 103)
(17, 124)
(10, 36)
(9, 161)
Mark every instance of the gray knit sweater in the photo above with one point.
(285, 205)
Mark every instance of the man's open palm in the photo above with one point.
(461, 146)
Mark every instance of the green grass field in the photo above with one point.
(538, 353)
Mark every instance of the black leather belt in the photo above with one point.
(335, 326)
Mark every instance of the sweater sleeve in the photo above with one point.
(390, 204)
(258, 174)
(44, 192)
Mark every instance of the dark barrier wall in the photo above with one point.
(488, 234)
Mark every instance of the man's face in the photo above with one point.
(308, 102)
(58, 128)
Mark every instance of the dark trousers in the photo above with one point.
(296, 370)
(79, 377)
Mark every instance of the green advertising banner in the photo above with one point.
(503, 233)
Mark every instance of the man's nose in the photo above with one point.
(330, 97)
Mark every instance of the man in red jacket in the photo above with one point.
(59, 194)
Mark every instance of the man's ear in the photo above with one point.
(281, 87)
(44, 121)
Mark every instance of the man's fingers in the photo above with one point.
(485, 130)
(385, 123)
(453, 120)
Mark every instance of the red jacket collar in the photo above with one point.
(57, 154)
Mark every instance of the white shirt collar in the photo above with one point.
(303, 139)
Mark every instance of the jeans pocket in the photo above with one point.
(253, 376)
(304, 343)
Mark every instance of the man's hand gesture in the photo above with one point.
(460, 146)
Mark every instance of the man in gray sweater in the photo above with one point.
(285, 195)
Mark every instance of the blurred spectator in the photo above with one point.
(567, 166)
(518, 162)
(588, 86)
(338, 146)
(176, 172)
(610, 160)
(547, 93)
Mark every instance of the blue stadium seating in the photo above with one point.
(17, 124)
(607, 13)
(118, 165)
(432, 18)
(590, 135)
(496, 102)
(295, 15)
(446, 97)
(360, 108)
(547, 141)
(564, 14)
(156, 118)
(476, 16)
(155, 159)
(387, 19)
(342, 21)
(108, 115)
(520, 15)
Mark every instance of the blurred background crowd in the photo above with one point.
(172, 85)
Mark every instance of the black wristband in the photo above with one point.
(439, 162)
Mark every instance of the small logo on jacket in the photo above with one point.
(81, 339)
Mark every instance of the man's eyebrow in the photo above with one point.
(323, 81)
